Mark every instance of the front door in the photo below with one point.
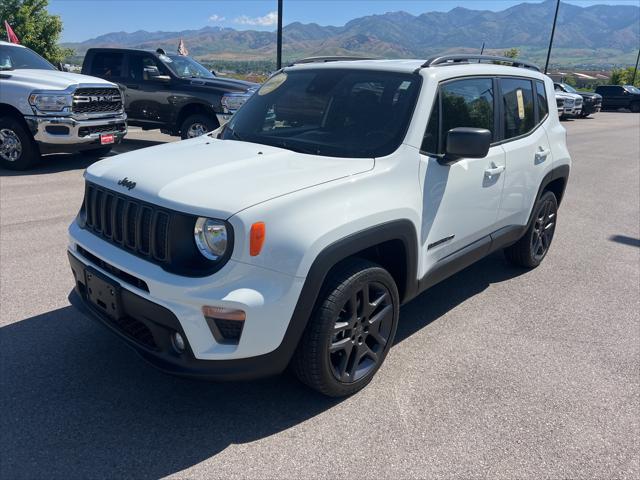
(147, 90)
(460, 201)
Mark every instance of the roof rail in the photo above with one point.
(464, 58)
(335, 58)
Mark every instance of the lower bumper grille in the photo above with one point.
(118, 127)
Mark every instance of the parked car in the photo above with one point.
(43, 110)
(591, 102)
(339, 191)
(173, 93)
(560, 105)
(572, 104)
(620, 96)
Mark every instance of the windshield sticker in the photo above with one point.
(404, 85)
(273, 83)
(520, 104)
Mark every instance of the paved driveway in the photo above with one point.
(496, 373)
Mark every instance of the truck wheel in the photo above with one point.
(635, 107)
(531, 249)
(350, 331)
(197, 125)
(17, 149)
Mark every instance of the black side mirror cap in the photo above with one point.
(467, 142)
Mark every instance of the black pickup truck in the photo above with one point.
(173, 93)
(620, 96)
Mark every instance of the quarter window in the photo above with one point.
(543, 103)
(465, 103)
(517, 104)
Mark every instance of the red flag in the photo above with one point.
(11, 36)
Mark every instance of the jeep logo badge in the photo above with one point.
(128, 184)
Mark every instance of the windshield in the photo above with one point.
(13, 58)
(185, 67)
(632, 89)
(569, 88)
(332, 112)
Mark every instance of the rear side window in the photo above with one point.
(517, 104)
(543, 103)
(463, 103)
(107, 65)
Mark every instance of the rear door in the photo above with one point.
(460, 201)
(523, 111)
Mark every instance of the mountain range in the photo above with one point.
(605, 34)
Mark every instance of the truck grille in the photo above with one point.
(97, 100)
(113, 128)
(128, 223)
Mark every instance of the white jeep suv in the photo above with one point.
(339, 191)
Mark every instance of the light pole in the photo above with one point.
(279, 40)
(553, 32)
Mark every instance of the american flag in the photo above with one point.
(182, 49)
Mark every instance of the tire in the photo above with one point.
(98, 152)
(635, 107)
(196, 125)
(345, 343)
(534, 245)
(18, 151)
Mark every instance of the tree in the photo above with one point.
(511, 53)
(623, 76)
(35, 27)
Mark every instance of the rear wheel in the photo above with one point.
(18, 151)
(531, 249)
(351, 330)
(197, 125)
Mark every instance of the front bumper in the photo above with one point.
(171, 303)
(591, 107)
(65, 133)
(573, 111)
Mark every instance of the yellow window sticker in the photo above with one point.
(273, 83)
(520, 104)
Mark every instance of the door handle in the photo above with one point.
(490, 172)
(542, 154)
(133, 86)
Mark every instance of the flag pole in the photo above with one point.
(553, 32)
(633, 80)
(279, 37)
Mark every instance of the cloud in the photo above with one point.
(216, 18)
(269, 19)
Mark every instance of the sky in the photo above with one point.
(85, 19)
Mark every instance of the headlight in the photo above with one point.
(48, 102)
(233, 101)
(211, 238)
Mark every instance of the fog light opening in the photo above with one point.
(178, 343)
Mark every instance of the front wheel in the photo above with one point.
(531, 249)
(635, 107)
(18, 151)
(351, 330)
(197, 125)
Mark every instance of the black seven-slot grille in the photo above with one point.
(129, 223)
(159, 235)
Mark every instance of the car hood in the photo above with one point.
(217, 178)
(226, 83)
(52, 79)
(590, 95)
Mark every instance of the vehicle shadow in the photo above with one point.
(77, 403)
(63, 162)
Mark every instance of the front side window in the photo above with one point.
(517, 104)
(14, 58)
(143, 68)
(464, 103)
(107, 65)
(543, 104)
(332, 112)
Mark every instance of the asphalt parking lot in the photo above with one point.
(496, 372)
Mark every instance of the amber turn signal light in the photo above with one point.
(223, 313)
(258, 233)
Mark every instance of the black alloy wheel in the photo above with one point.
(351, 329)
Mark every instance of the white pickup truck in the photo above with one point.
(43, 110)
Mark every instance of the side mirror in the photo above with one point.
(467, 142)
